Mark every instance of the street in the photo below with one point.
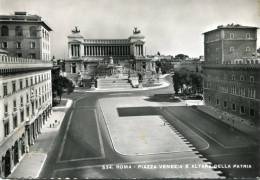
(84, 148)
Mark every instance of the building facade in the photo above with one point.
(25, 104)
(86, 55)
(24, 35)
(232, 72)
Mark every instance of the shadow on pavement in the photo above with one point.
(162, 98)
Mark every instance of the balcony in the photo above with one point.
(21, 107)
(14, 64)
(6, 114)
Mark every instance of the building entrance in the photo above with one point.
(7, 163)
(16, 153)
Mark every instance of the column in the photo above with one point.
(76, 48)
(72, 50)
(142, 50)
(100, 50)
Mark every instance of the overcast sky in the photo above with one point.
(170, 26)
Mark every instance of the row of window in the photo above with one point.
(34, 106)
(240, 91)
(232, 36)
(45, 34)
(45, 56)
(243, 78)
(233, 106)
(251, 93)
(33, 80)
(30, 55)
(46, 46)
(19, 31)
(234, 77)
(18, 44)
(231, 49)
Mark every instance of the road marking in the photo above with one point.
(67, 128)
(99, 135)
(228, 154)
(100, 143)
(114, 94)
(65, 136)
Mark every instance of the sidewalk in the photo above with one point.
(31, 164)
(232, 120)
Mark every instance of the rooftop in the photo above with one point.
(232, 26)
(23, 17)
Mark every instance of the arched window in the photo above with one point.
(18, 31)
(4, 31)
(231, 49)
(33, 31)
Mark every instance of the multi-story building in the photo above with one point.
(86, 54)
(232, 72)
(24, 35)
(25, 104)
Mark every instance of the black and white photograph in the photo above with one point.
(129, 89)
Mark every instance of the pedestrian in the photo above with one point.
(27, 148)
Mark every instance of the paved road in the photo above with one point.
(226, 146)
(83, 145)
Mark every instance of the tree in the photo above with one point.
(60, 84)
(176, 82)
(187, 82)
(181, 56)
(196, 81)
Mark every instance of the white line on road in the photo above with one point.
(65, 136)
(100, 142)
(115, 94)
